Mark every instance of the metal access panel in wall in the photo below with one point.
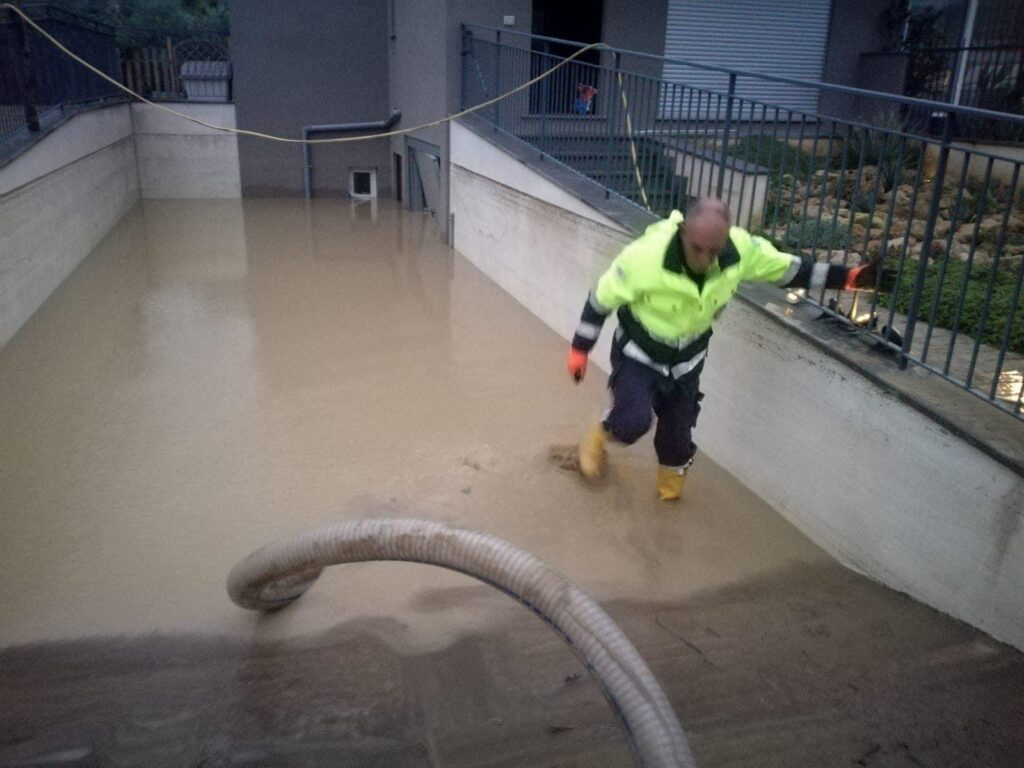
(772, 37)
(424, 176)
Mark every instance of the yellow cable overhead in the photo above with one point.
(269, 137)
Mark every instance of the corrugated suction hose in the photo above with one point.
(277, 574)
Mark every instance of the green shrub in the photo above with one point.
(891, 155)
(974, 299)
(777, 156)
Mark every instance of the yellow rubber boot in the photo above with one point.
(592, 453)
(670, 483)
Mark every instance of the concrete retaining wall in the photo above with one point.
(178, 158)
(57, 201)
(1002, 170)
(876, 483)
(62, 195)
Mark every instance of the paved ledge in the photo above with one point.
(989, 429)
(49, 121)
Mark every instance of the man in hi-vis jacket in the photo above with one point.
(667, 287)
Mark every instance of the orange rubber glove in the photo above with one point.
(866, 277)
(577, 364)
(861, 277)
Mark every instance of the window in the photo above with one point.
(363, 182)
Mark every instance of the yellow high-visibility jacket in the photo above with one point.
(665, 317)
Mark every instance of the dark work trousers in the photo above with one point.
(637, 391)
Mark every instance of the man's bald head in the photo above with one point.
(709, 206)
(705, 232)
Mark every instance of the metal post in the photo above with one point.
(929, 235)
(497, 78)
(728, 127)
(962, 56)
(545, 92)
(613, 118)
(27, 76)
(465, 75)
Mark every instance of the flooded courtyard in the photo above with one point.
(219, 374)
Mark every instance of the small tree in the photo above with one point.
(139, 23)
(918, 32)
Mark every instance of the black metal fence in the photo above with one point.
(989, 77)
(36, 78)
(897, 187)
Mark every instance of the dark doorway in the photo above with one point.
(398, 177)
(576, 20)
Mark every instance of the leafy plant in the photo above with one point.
(778, 156)
(977, 281)
(882, 149)
(1001, 89)
(918, 31)
(139, 23)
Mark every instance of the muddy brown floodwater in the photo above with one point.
(218, 374)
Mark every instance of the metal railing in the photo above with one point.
(988, 77)
(37, 81)
(896, 186)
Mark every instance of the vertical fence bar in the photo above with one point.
(688, 142)
(496, 89)
(840, 182)
(823, 193)
(624, 160)
(783, 149)
(854, 193)
(730, 98)
(643, 145)
(879, 169)
(906, 242)
(165, 77)
(463, 60)
(735, 161)
(713, 132)
(27, 79)
(798, 155)
(172, 68)
(707, 157)
(993, 271)
(739, 164)
(683, 126)
(746, 159)
(661, 181)
(811, 169)
(140, 82)
(978, 216)
(642, 138)
(545, 98)
(884, 257)
(929, 235)
(563, 81)
(954, 220)
(613, 109)
(743, 168)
